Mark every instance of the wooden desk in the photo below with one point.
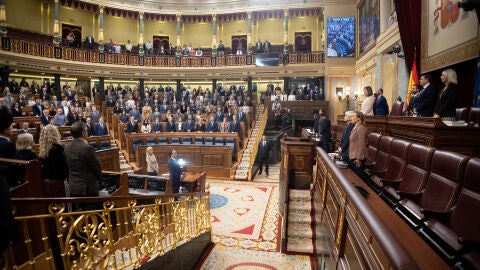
(190, 180)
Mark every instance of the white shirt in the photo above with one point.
(128, 47)
(367, 105)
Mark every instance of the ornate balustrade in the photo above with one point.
(36, 48)
(124, 233)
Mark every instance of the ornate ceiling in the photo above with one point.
(208, 6)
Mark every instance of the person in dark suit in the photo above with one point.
(447, 100)
(7, 150)
(345, 141)
(89, 41)
(45, 118)
(170, 125)
(427, 97)
(266, 47)
(38, 108)
(413, 98)
(175, 170)
(84, 167)
(90, 127)
(190, 124)
(157, 126)
(263, 154)
(101, 128)
(234, 124)
(381, 105)
(212, 125)
(325, 131)
(132, 126)
(180, 125)
(24, 128)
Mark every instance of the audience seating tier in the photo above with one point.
(215, 160)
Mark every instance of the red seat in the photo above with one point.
(396, 163)
(442, 189)
(414, 176)
(383, 154)
(373, 140)
(461, 229)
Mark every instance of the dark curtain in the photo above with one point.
(303, 41)
(239, 42)
(409, 23)
(77, 31)
(161, 41)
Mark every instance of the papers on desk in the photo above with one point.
(456, 123)
(138, 191)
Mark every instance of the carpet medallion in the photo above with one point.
(245, 215)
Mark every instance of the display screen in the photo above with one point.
(266, 59)
(341, 37)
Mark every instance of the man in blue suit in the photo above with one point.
(427, 99)
(175, 170)
(212, 126)
(101, 128)
(381, 105)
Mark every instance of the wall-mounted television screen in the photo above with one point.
(341, 37)
(266, 59)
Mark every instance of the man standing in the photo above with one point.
(175, 170)
(84, 168)
(101, 128)
(325, 131)
(427, 99)
(381, 105)
(89, 41)
(263, 152)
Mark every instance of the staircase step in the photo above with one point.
(297, 195)
(300, 245)
(300, 206)
(296, 231)
(295, 218)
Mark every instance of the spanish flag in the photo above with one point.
(413, 80)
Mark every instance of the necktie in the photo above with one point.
(264, 143)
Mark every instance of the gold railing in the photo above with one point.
(257, 139)
(36, 48)
(124, 233)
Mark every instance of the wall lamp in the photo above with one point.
(397, 49)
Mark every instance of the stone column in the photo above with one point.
(214, 84)
(101, 91)
(56, 82)
(179, 35)
(56, 28)
(100, 31)
(3, 18)
(249, 32)
(214, 34)
(140, 39)
(285, 31)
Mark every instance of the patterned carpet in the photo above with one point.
(273, 176)
(244, 215)
(239, 259)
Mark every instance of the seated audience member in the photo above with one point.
(101, 128)
(345, 141)
(132, 126)
(152, 164)
(357, 150)
(54, 166)
(60, 119)
(447, 100)
(157, 126)
(381, 106)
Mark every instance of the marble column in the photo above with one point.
(56, 28)
(214, 34)
(3, 18)
(140, 39)
(179, 35)
(249, 32)
(285, 31)
(100, 31)
(56, 82)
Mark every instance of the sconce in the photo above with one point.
(347, 98)
(397, 49)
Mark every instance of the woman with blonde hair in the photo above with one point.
(357, 150)
(447, 100)
(368, 102)
(24, 147)
(152, 165)
(54, 165)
